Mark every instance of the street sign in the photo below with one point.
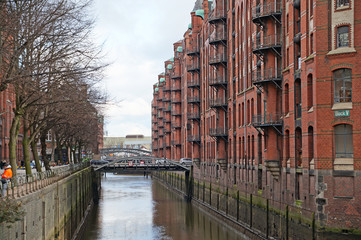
(342, 113)
(141, 162)
(130, 164)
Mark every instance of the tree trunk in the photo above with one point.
(14, 131)
(26, 151)
(43, 151)
(36, 156)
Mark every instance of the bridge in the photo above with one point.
(141, 164)
(107, 151)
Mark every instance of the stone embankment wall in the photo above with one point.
(56, 211)
(257, 217)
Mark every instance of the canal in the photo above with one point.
(135, 207)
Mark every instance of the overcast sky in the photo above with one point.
(138, 36)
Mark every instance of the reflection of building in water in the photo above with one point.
(129, 141)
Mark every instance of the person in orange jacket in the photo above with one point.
(8, 173)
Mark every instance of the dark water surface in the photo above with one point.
(135, 207)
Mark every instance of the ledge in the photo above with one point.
(341, 50)
(342, 106)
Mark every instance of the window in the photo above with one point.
(311, 43)
(343, 85)
(311, 8)
(309, 91)
(343, 141)
(287, 106)
(343, 3)
(343, 36)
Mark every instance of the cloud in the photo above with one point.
(138, 36)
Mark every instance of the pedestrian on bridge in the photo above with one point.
(5, 178)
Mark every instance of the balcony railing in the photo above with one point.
(213, 81)
(218, 37)
(193, 138)
(218, 59)
(194, 115)
(218, 132)
(175, 75)
(266, 10)
(166, 99)
(176, 142)
(273, 119)
(218, 16)
(176, 113)
(176, 100)
(218, 102)
(166, 88)
(271, 41)
(194, 99)
(193, 51)
(176, 125)
(193, 67)
(193, 83)
(270, 74)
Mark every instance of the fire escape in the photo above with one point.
(218, 101)
(267, 46)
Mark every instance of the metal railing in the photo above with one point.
(193, 50)
(218, 102)
(193, 83)
(218, 58)
(22, 185)
(218, 81)
(268, 119)
(267, 75)
(218, 132)
(194, 115)
(218, 15)
(267, 41)
(219, 36)
(194, 99)
(262, 10)
(193, 138)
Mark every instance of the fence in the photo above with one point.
(22, 185)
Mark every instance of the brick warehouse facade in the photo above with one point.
(263, 96)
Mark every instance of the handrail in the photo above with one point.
(22, 185)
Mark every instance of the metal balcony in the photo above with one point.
(176, 142)
(166, 88)
(176, 125)
(166, 99)
(175, 75)
(193, 83)
(218, 81)
(176, 87)
(218, 132)
(193, 67)
(176, 113)
(274, 121)
(218, 59)
(194, 116)
(269, 75)
(176, 100)
(218, 16)
(218, 38)
(218, 103)
(194, 99)
(260, 13)
(193, 51)
(194, 138)
(271, 42)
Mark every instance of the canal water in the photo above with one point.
(138, 208)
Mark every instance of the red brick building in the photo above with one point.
(265, 98)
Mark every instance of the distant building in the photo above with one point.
(129, 141)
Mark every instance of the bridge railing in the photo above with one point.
(22, 185)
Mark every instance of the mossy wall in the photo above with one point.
(260, 217)
(54, 212)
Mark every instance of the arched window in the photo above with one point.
(309, 91)
(287, 141)
(342, 85)
(343, 141)
(287, 105)
(310, 143)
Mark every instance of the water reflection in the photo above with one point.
(134, 207)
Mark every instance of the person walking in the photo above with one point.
(5, 178)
